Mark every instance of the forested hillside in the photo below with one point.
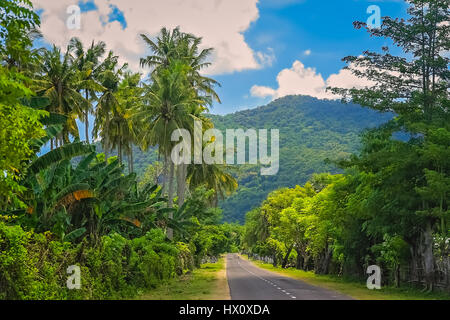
(311, 131)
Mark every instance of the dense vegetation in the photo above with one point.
(391, 205)
(312, 131)
(66, 204)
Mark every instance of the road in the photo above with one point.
(249, 282)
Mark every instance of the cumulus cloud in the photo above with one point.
(266, 59)
(221, 23)
(300, 80)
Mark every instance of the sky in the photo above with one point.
(263, 49)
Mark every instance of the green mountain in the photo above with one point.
(311, 131)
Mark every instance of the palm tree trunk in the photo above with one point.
(87, 118)
(165, 174)
(171, 192)
(130, 161)
(120, 153)
(181, 183)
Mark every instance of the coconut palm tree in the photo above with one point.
(171, 46)
(88, 63)
(109, 77)
(176, 45)
(169, 100)
(130, 98)
(215, 177)
(59, 82)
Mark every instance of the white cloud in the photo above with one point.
(262, 92)
(300, 80)
(266, 58)
(307, 52)
(221, 23)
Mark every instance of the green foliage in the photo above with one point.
(311, 131)
(18, 125)
(72, 206)
(18, 13)
(33, 266)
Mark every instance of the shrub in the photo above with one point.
(33, 266)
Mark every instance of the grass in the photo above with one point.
(352, 288)
(207, 283)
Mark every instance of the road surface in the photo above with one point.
(249, 282)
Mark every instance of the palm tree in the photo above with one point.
(171, 46)
(88, 63)
(176, 45)
(59, 81)
(130, 99)
(119, 132)
(169, 100)
(215, 177)
(178, 96)
(109, 76)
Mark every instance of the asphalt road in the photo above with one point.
(249, 282)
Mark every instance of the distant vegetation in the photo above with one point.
(312, 131)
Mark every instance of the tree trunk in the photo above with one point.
(275, 260)
(428, 258)
(87, 127)
(165, 174)
(181, 183)
(326, 261)
(171, 192)
(87, 118)
(130, 161)
(300, 260)
(397, 275)
(120, 153)
(306, 262)
(286, 257)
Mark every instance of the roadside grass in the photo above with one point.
(352, 288)
(207, 283)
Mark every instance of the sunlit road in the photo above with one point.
(249, 282)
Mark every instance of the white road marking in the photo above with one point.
(252, 273)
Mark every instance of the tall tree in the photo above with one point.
(415, 89)
(88, 63)
(130, 99)
(59, 82)
(109, 76)
(175, 46)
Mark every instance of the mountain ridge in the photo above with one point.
(311, 131)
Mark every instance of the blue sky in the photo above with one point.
(324, 27)
(303, 41)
